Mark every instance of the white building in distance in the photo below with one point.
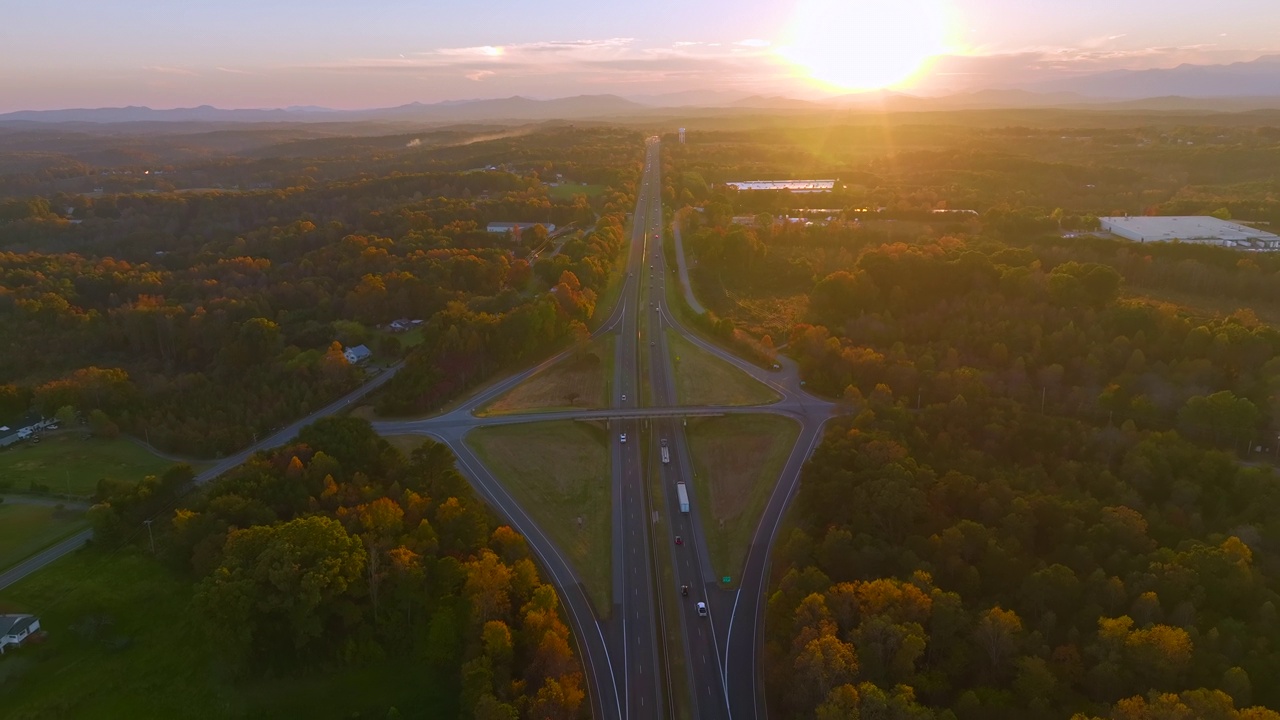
(795, 186)
(515, 227)
(1203, 230)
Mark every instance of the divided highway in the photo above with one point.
(626, 671)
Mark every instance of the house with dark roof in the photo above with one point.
(16, 628)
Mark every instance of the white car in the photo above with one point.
(702, 609)
(622, 437)
(624, 396)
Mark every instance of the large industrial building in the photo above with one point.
(1191, 229)
(795, 186)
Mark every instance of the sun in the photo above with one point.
(859, 45)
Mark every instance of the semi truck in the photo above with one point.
(683, 494)
(666, 452)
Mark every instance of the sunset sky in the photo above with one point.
(341, 54)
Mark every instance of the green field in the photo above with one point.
(703, 379)
(567, 190)
(579, 381)
(26, 529)
(736, 463)
(122, 643)
(559, 473)
(67, 463)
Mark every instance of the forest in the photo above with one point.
(337, 551)
(202, 321)
(1052, 490)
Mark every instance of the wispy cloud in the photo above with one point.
(235, 71)
(170, 70)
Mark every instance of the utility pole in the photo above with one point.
(147, 522)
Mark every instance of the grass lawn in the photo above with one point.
(559, 472)
(567, 190)
(736, 461)
(409, 338)
(68, 463)
(579, 381)
(703, 379)
(26, 529)
(149, 657)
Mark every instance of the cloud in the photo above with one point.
(234, 71)
(479, 75)
(1032, 66)
(170, 70)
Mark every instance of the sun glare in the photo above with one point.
(858, 45)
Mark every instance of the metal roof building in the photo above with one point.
(1191, 229)
(795, 186)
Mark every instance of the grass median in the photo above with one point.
(68, 463)
(559, 473)
(737, 460)
(704, 379)
(580, 381)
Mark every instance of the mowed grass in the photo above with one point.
(67, 463)
(26, 529)
(559, 473)
(703, 379)
(150, 657)
(579, 381)
(566, 191)
(737, 460)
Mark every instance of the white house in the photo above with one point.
(16, 628)
(357, 354)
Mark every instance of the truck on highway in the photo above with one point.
(683, 494)
(666, 452)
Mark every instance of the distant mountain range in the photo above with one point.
(1257, 78)
(1234, 87)
(512, 108)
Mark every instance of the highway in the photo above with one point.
(634, 611)
(690, 561)
(626, 671)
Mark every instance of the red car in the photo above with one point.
(679, 540)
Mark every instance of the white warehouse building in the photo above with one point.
(1203, 230)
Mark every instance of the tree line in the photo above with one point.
(338, 551)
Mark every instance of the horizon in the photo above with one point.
(286, 54)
